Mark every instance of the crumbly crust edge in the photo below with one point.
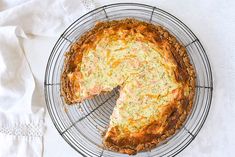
(185, 73)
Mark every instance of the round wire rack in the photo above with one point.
(82, 125)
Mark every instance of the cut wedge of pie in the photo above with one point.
(153, 71)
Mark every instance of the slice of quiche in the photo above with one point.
(153, 71)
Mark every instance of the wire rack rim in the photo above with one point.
(50, 60)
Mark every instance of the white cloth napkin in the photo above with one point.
(21, 123)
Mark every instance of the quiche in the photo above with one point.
(150, 67)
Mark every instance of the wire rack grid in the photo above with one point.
(81, 125)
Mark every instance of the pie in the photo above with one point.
(152, 70)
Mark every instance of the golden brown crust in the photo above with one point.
(174, 114)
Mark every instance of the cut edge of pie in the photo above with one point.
(171, 116)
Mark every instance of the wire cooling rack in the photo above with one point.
(81, 125)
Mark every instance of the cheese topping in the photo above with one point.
(141, 71)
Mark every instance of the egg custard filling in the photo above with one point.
(153, 72)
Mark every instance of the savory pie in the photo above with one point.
(152, 70)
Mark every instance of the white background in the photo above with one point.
(213, 22)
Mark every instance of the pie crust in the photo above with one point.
(133, 127)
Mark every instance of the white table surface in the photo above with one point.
(213, 21)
